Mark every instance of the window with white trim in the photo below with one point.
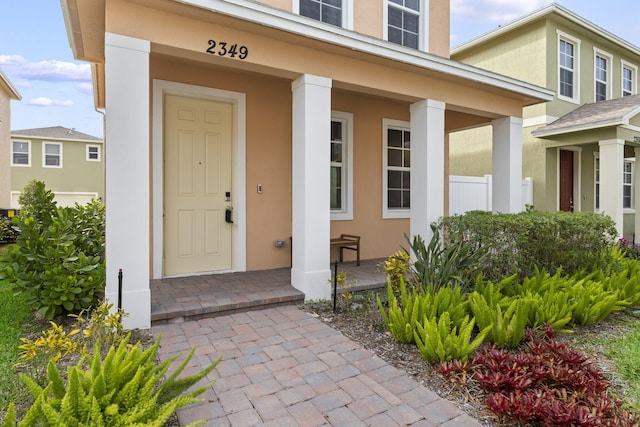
(335, 12)
(602, 74)
(396, 169)
(93, 153)
(627, 184)
(568, 71)
(405, 23)
(629, 78)
(597, 183)
(341, 166)
(51, 155)
(21, 153)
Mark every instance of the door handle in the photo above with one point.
(227, 215)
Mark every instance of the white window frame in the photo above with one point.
(609, 58)
(44, 154)
(423, 27)
(596, 182)
(630, 161)
(20, 165)
(89, 147)
(634, 77)
(386, 212)
(562, 36)
(346, 213)
(347, 13)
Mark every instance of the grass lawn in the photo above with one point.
(13, 313)
(624, 351)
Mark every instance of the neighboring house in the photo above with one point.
(68, 162)
(7, 94)
(581, 148)
(302, 118)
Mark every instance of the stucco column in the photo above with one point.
(636, 195)
(507, 165)
(311, 132)
(611, 172)
(427, 166)
(127, 184)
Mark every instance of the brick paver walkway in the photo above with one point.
(284, 367)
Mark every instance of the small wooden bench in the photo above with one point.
(347, 241)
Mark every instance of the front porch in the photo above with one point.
(182, 299)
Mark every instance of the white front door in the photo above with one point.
(197, 185)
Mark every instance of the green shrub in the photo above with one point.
(506, 326)
(402, 315)
(592, 303)
(532, 240)
(444, 263)
(37, 202)
(419, 307)
(439, 340)
(57, 260)
(126, 388)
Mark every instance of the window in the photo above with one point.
(629, 73)
(602, 75)
(51, 155)
(405, 23)
(627, 184)
(568, 72)
(397, 169)
(21, 153)
(601, 78)
(93, 153)
(597, 175)
(329, 11)
(341, 166)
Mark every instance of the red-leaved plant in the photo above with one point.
(545, 383)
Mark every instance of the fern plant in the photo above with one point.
(592, 303)
(124, 389)
(440, 340)
(402, 315)
(507, 327)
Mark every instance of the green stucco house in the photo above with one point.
(70, 163)
(580, 148)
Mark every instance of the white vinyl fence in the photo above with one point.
(469, 193)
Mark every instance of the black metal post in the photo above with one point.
(120, 290)
(335, 284)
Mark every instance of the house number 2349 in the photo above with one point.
(225, 49)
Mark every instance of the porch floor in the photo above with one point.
(180, 299)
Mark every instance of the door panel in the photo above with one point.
(198, 171)
(566, 181)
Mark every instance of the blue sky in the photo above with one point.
(56, 90)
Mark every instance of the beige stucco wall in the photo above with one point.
(370, 87)
(368, 19)
(290, 56)
(268, 162)
(5, 148)
(76, 175)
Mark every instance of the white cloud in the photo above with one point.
(85, 88)
(52, 70)
(494, 11)
(48, 102)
